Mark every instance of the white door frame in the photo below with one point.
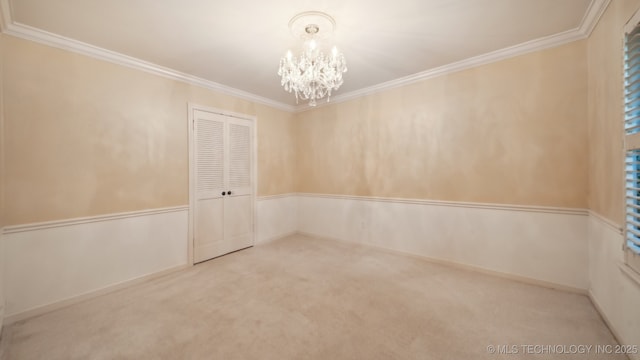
(192, 180)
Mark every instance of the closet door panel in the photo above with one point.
(238, 221)
(210, 154)
(240, 155)
(209, 232)
(239, 205)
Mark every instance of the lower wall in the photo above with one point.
(612, 290)
(541, 244)
(277, 217)
(49, 263)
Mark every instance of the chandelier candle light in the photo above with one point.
(312, 75)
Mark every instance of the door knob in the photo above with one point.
(228, 192)
(223, 193)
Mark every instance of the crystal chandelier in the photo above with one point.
(313, 75)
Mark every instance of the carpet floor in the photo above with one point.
(306, 298)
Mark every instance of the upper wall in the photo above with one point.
(86, 137)
(510, 132)
(605, 61)
(276, 152)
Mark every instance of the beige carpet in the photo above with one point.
(305, 298)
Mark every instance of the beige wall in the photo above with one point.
(276, 152)
(511, 132)
(86, 137)
(605, 110)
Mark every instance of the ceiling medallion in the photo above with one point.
(312, 75)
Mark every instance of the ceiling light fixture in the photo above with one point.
(313, 75)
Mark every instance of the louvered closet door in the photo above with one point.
(223, 219)
(209, 156)
(238, 209)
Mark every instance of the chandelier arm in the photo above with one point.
(312, 75)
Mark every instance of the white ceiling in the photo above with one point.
(238, 43)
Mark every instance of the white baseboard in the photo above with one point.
(68, 256)
(611, 326)
(457, 265)
(604, 317)
(39, 310)
(613, 292)
(538, 243)
(277, 217)
(50, 263)
(278, 237)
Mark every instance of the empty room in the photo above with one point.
(411, 179)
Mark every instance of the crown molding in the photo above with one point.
(61, 42)
(592, 16)
(26, 32)
(494, 56)
(587, 24)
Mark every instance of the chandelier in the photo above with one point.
(313, 75)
